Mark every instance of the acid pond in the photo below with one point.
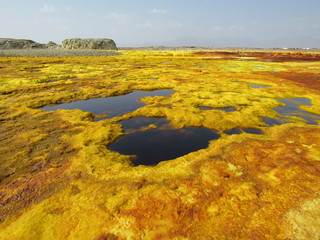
(253, 85)
(225, 109)
(244, 130)
(152, 140)
(112, 106)
(292, 112)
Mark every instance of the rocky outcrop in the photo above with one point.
(89, 43)
(10, 43)
(72, 43)
(52, 45)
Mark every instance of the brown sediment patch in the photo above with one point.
(264, 56)
(17, 194)
(108, 236)
(305, 79)
(34, 160)
(287, 173)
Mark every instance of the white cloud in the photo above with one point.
(120, 18)
(146, 25)
(159, 11)
(216, 29)
(68, 8)
(64, 28)
(47, 8)
(51, 21)
(177, 25)
(236, 28)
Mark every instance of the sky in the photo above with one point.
(212, 23)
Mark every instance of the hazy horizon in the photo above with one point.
(208, 23)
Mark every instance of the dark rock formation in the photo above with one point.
(52, 45)
(89, 43)
(73, 43)
(10, 43)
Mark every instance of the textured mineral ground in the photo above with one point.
(259, 179)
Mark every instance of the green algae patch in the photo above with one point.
(59, 180)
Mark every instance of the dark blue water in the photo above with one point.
(246, 130)
(252, 130)
(149, 146)
(112, 106)
(205, 108)
(143, 122)
(292, 108)
(233, 131)
(152, 146)
(225, 109)
(253, 85)
(272, 121)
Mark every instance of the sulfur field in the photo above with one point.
(185, 145)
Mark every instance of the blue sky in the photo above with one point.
(220, 23)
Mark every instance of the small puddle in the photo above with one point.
(151, 146)
(253, 85)
(246, 130)
(292, 109)
(225, 109)
(252, 131)
(138, 123)
(205, 108)
(233, 131)
(112, 106)
(272, 121)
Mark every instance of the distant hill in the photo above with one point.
(11, 43)
(74, 43)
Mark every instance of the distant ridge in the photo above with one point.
(89, 43)
(72, 43)
(11, 43)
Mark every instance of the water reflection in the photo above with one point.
(143, 122)
(163, 143)
(292, 109)
(233, 131)
(225, 109)
(112, 106)
(253, 85)
(246, 130)
(205, 108)
(252, 131)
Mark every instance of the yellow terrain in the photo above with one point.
(59, 180)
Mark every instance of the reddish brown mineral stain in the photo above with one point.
(264, 56)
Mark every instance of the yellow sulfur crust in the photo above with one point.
(59, 180)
